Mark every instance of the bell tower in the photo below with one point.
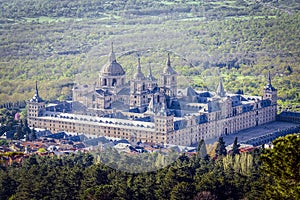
(169, 79)
(138, 90)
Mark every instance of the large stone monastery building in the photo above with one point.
(150, 109)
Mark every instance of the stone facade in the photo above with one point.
(154, 110)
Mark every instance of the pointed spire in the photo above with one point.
(36, 97)
(220, 90)
(112, 56)
(139, 69)
(269, 86)
(139, 74)
(151, 105)
(150, 70)
(150, 75)
(36, 89)
(168, 69)
(269, 78)
(169, 60)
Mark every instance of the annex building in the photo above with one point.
(151, 109)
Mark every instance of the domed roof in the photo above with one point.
(112, 67)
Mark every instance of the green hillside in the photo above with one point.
(63, 42)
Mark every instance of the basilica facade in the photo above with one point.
(152, 109)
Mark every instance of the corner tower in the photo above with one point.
(270, 92)
(36, 106)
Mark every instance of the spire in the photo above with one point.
(150, 76)
(36, 98)
(151, 105)
(139, 69)
(36, 89)
(169, 60)
(112, 56)
(150, 71)
(168, 69)
(269, 79)
(269, 86)
(112, 67)
(139, 74)
(220, 90)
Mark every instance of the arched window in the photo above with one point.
(114, 82)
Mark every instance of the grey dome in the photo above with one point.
(112, 68)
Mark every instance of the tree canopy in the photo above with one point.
(261, 174)
(282, 163)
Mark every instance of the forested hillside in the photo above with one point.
(60, 43)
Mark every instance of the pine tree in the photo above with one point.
(282, 164)
(235, 147)
(221, 147)
(33, 134)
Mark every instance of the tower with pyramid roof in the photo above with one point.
(269, 92)
(169, 79)
(138, 89)
(36, 106)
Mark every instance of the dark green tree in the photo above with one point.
(282, 164)
(235, 147)
(182, 190)
(8, 186)
(101, 192)
(19, 133)
(33, 134)
(221, 147)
